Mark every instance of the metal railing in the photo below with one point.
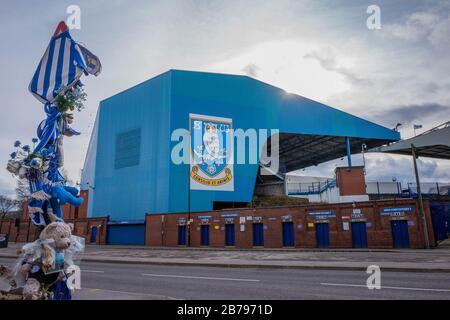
(387, 188)
(296, 189)
(373, 188)
(441, 126)
(410, 189)
(431, 188)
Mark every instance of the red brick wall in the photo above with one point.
(26, 232)
(351, 181)
(69, 212)
(8, 227)
(378, 226)
(83, 228)
(163, 230)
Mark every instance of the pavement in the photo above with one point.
(114, 281)
(408, 260)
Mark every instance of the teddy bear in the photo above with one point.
(44, 260)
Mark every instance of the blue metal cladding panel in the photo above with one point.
(128, 149)
(131, 191)
(255, 104)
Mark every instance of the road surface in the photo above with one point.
(137, 281)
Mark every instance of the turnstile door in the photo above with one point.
(229, 235)
(204, 235)
(258, 235)
(288, 234)
(181, 235)
(359, 235)
(94, 232)
(400, 235)
(322, 235)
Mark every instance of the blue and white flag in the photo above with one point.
(61, 66)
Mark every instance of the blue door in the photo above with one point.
(322, 235)
(400, 235)
(258, 235)
(288, 234)
(181, 235)
(94, 232)
(126, 233)
(204, 235)
(359, 235)
(229, 235)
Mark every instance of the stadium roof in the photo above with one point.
(298, 151)
(434, 143)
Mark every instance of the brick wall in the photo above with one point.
(69, 212)
(27, 232)
(8, 227)
(162, 229)
(351, 181)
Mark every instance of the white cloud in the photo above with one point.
(428, 26)
(7, 185)
(401, 168)
(285, 64)
(440, 35)
(416, 27)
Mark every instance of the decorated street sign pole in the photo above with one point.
(56, 83)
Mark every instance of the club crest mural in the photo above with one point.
(211, 153)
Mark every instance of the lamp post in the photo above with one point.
(189, 206)
(191, 162)
(363, 148)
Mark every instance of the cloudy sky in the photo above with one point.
(321, 49)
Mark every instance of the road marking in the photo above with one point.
(129, 293)
(384, 287)
(93, 271)
(195, 277)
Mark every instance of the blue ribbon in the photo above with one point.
(48, 131)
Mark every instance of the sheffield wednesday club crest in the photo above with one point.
(211, 153)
